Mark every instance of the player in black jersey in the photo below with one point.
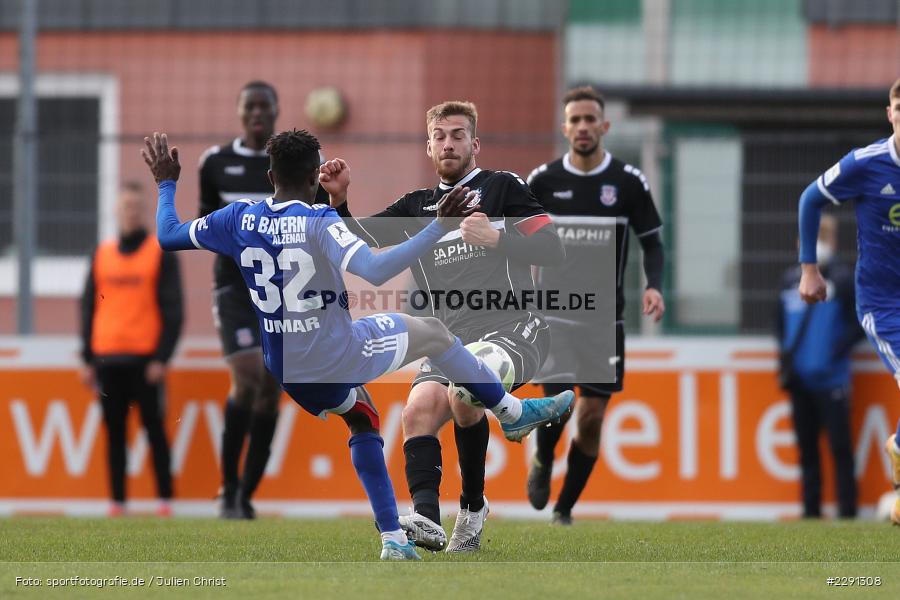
(491, 252)
(228, 173)
(586, 192)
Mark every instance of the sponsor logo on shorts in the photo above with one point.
(243, 337)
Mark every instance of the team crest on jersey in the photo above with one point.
(608, 195)
(476, 200)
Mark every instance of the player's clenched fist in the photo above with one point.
(812, 284)
(477, 230)
(334, 177)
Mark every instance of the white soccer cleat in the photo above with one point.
(424, 532)
(466, 535)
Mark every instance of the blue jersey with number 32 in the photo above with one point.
(291, 256)
(871, 177)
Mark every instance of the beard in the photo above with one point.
(455, 173)
(586, 151)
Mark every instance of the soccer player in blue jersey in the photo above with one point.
(871, 177)
(291, 255)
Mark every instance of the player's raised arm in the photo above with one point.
(210, 232)
(172, 234)
(812, 284)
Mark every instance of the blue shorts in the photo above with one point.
(378, 347)
(883, 329)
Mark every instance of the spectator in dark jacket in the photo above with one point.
(131, 315)
(815, 343)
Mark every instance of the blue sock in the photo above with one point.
(897, 439)
(461, 367)
(368, 460)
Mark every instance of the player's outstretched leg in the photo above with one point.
(366, 453)
(429, 337)
(894, 453)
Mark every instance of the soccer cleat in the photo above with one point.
(466, 536)
(164, 509)
(891, 448)
(423, 532)
(115, 509)
(537, 412)
(228, 504)
(245, 508)
(563, 519)
(394, 551)
(539, 483)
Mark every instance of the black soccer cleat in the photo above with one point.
(228, 507)
(245, 507)
(539, 483)
(564, 519)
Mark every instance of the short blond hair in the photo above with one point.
(451, 108)
(895, 90)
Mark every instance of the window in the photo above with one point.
(77, 170)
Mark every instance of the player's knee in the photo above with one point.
(359, 423)
(439, 338)
(245, 382)
(363, 417)
(464, 414)
(269, 393)
(419, 418)
(590, 419)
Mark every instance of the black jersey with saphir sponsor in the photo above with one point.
(452, 265)
(228, 173)
(590, 210)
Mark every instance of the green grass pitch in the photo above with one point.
(337, 558)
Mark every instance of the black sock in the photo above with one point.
(262, 430)
(423, 475)
(472, 444)
(580, 467)
(237, 421)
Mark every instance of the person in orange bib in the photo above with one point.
(131, 316)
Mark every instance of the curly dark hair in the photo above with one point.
(293, 155)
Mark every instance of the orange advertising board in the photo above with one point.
(680, 441)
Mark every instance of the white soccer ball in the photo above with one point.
(325, 107)
(497, 360)
(885, 504)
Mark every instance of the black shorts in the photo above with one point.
(235, 319)
(572, 360)
(527, 342)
